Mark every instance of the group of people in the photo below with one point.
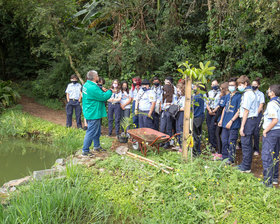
(232, 109)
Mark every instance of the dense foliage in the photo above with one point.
(45, 41)
(8, 95)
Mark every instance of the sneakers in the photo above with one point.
(242, 170)
(275, 181)
(256, 153)
(85, 154)
(100, 149)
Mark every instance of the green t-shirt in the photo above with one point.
(94, 101)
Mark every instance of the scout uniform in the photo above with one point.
(180, 118)
(271, 143)
(198, 121)
(218, 115)
(114, 108)
(230, 136)
(145, 100)
(133, 95)
(124, 99)
(156, 116)
(260, 100)
(74, 91)
(249, 102)
(213, 102)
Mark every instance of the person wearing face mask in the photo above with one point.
(198, 112)
(271, 137)
(114, 108)
(212, 107)
(224, 92)
(73, 97)
(248, 114)
(261, 100)
(125, 100)
(145, 104)
(157, 88)
(230, 121)
(136, 86)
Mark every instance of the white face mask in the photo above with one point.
(115, 85)
(166, 82)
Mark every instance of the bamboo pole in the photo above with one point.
(187, 114)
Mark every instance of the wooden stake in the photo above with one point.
(187, 114)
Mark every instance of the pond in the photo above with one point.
(19, 157)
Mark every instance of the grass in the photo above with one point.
(129, 191)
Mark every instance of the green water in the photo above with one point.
(19, 157)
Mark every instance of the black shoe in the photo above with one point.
(100, 149)
(87, 154)
(166, 146)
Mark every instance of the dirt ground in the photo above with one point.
(59, 117)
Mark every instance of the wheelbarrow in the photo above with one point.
(148, 137)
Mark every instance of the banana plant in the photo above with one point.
(195, 76)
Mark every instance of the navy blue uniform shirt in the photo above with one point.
(232, 106)
(198, 109)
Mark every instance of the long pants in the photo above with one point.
(114, 109)
(229, 139)
(246, 143)
(125, 113)
(197, 131)
(256, 136)
(135, 117)
(270, 156)
(71, 105)
(156, 120)
(210, 121)
(93, 133)
(145, 121)
(166, 123)
(179, 126)
(219, 139)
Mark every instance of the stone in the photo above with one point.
(17, 182)
(12, 189)
(122, 150)
(38, 175)
(3, 190)
(60, 168)
(60, 162)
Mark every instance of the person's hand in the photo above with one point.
(228, 126)
(136, 112)
(122, 106)
(241, 131)
(220, 124)
(264, 133)
(104, 89)
(150, 114)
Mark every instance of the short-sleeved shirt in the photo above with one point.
(260, 97)
(145, 99)
(249, 102)
(74, 90)
(158, 91)
(232, 104)
(181, 102)
(213, 98)
(116, 96)
(133, 93)
(125, 99)
(221, 104)
(198, 105)
(272, 111)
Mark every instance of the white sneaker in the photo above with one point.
(256, 153)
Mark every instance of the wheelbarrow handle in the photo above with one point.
(159, 137)
(173, 136)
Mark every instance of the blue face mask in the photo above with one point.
(241, 88)
(144, 89)
(215, 87)
(231, 89)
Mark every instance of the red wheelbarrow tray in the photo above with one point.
(148, 135)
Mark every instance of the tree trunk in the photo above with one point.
(187, 114)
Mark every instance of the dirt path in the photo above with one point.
(38, 110)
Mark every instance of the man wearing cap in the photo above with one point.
(73, 97)
(145, 104)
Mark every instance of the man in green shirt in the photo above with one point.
(94, 109)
